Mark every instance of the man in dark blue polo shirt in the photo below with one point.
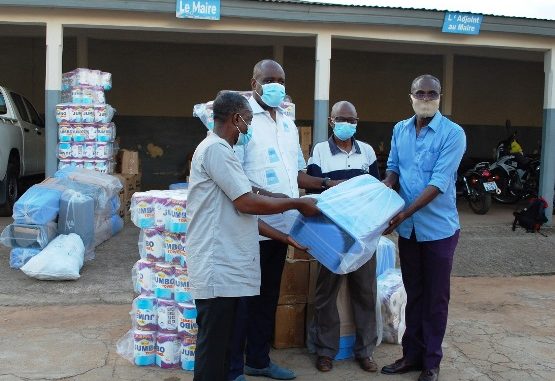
(340, 158)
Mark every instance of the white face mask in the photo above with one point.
(424, 108)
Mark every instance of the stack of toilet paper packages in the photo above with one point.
(86, 133)
(76, 201)
(392, 298)
(354, 215)
(163, 314)
(205, 111)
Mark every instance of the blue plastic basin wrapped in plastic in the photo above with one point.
(28, 236)
(355, 213)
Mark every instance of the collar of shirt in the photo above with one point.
(215, 136)
(257, 109)
(335, 149)
(434, 123)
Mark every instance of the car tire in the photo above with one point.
(11, 189)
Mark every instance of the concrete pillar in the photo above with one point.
(278, 56)
(447, 85)
(82, 51)
(322, 88)
(54, 48)
(547, 177)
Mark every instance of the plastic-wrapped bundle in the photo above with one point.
(20, 256)
(109, 186)
(77, 216)
(392, 299)
(205, 111)
(103, 113)
(60, 260)
(354, 215)
(84, 95)
(385, 255)
(28, 236)
(84, 76)
(106, 228)
(40, 204)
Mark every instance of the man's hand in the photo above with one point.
(295, 244)
(388, 183)
(333, 183)
(307, 207)
(396, 221)
(391, 179)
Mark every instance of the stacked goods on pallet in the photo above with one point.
(86, 133)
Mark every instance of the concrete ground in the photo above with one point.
(501, 326)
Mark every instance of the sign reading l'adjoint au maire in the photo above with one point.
(198, 9)
(462, 23)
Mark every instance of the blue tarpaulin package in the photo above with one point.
(40, 204)
(354, 215)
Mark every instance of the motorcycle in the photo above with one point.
(516, 175)
(477, 185)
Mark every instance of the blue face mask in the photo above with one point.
(244, 139)
(272, 94)
(343, 130)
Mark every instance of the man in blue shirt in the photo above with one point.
(426, 151)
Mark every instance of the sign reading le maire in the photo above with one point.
(461, 23)
(198, 9)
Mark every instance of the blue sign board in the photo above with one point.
(462, 23)
(198, 9)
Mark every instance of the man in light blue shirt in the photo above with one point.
(426, 151)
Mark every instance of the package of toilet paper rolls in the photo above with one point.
(392, 299)
(163, 325)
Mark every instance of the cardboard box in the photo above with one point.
(305, 135)
(294, 283)
(128, 162)
(294, 255)
(305, 140)
(290, 326)
(131, 184)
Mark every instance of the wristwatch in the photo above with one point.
(325, 181)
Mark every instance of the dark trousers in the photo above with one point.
(362, 291)
(255, 315)
(215, 326)
(426, 269)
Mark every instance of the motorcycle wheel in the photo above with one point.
(506, 196)
(481, 204)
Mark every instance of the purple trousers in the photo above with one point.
(426, 268)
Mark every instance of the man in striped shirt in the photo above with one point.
(340, 158)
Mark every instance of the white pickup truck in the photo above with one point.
(21, 146)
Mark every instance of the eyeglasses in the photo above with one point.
(341, 119)
(246, 124)
(421, 95)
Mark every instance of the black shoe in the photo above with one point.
(429, 375)
(401, 366)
